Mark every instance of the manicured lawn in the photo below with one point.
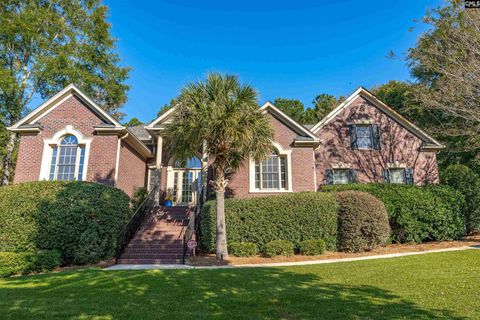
(431, 286)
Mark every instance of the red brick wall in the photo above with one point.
(131, 170)
(397, 144)
(101, 162)
(302, 165)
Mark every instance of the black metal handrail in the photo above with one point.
(136, 220)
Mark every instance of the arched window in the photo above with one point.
(192, 163)
(68, 158)
(271, 173)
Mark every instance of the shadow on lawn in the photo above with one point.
(196, 294)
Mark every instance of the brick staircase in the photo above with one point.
(160, 238)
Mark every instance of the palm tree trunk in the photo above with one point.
(222, 249)
(8, 160)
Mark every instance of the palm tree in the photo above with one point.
(220, 118)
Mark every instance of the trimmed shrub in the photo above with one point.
(27, 262)
(465, 180)
(312, 247)
(81, 220)
(362, 222)
(294, 217)
(138, 197)
(417, 214)
(279, 248)
(243, 249)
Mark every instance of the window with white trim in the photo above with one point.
(271, 173)
(397, 175)
(68, 160)
(341, 176)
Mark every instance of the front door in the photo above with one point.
(186, 186)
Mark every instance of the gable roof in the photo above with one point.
(364, 93)
(29, 122)
(164, 116)
(294, 125)
(57, 99)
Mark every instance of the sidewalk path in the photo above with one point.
(280, 264)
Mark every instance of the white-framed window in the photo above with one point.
(272, 174)
(68, 160)
(341, 176)
(364, 136)
(398, 175)
(65, 156)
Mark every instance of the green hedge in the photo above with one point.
(465, 180)
(27, 262)
(417, 214)
(81, 220)
(294, 217)
(362, 222)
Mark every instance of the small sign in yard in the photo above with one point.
(191, 244)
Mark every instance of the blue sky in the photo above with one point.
(288, 49)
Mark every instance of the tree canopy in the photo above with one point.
(44, 46)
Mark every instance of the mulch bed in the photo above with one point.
(210, 259)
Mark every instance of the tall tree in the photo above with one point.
(446, 64)
(47, 44)
(292, 107)
(133, 122)
(220, 117)
(324, 103)
(401, 97)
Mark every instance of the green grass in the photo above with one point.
(432, 286)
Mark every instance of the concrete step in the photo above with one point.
(150, 261)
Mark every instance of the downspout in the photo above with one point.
(314, 172)
(117, 162)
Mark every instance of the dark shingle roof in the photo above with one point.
(140, 132)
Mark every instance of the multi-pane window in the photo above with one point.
(397, 175)
(68, 160)
(340, 176)
(271, 174)
(364, 136)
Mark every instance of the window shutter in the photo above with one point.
(386, 176)
(353, 136)
(329, 176)
(376, 136)
(409, 176)
(352, 176)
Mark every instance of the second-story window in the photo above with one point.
(365, 136)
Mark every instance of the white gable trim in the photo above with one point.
(163, 116)
(57, 99)
(268, 106)
(362, 92)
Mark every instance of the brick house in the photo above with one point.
(69, 137)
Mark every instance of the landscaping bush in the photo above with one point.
(417, 214)
(243, 249)
(27, 262)
(362, 222)
(279, 248)
(81, 220)
(294, 217)
(465, 180)
(312, 247)
(138, 197)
